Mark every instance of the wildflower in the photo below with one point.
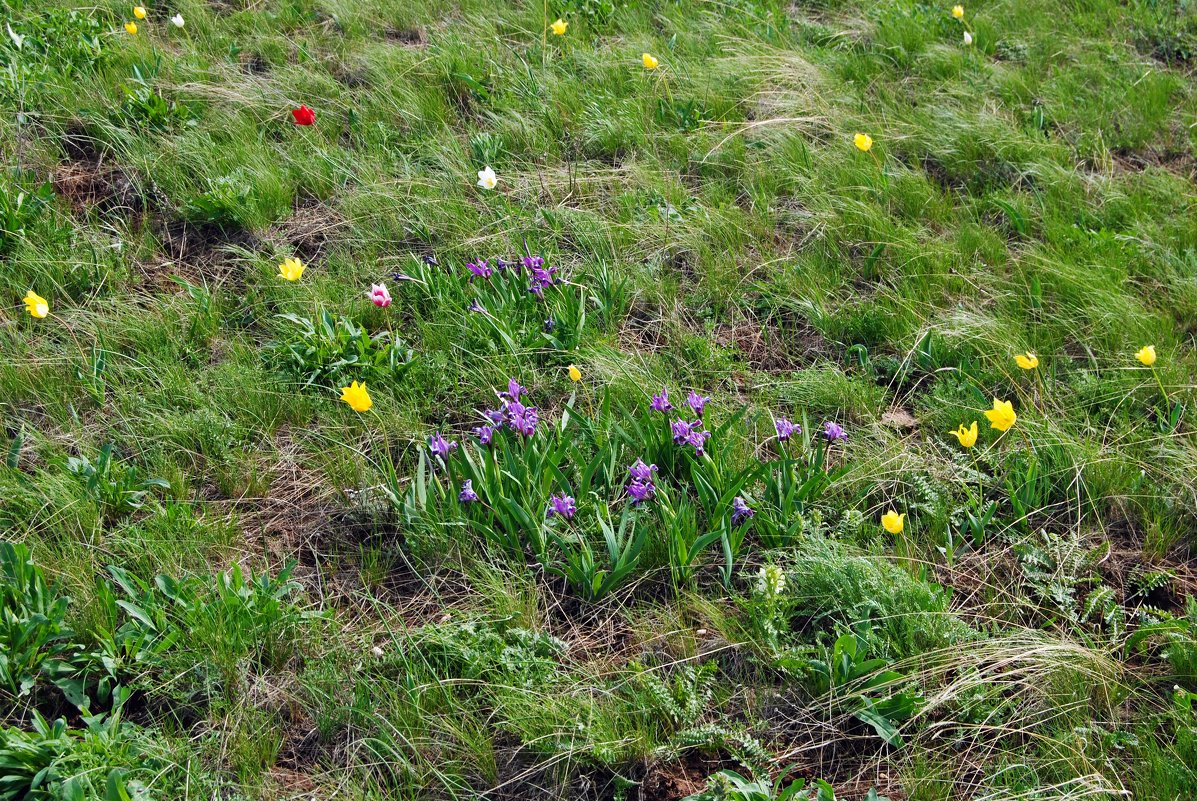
(378, 652)
(357, 397)
(467, 494)
(139, 12)
(640, 492)
(496, 416)
(681, 430)
(379, 296)
(475, 306)
(303, 115)
(649, 62)
(967, 436)
(291, 269)
(487, 178)
(893, 522)
(522, 419)
(660, 403)
(559, 27)
(36, 305)
(430, 260)
(439, 446)
(785, 429)
(1027, 361)
(642, 472)
(741, 511)
(771, 580)
(696, 402)
(968, 38)
(131, 27)
(863, 142)
(697, 440)
(541, 277)
(514, 390)
(834, 431)
(1002, 415)
(549, 325)
(531, 262)
(575, 374)
(1146, 355)
(480, 269)
(958, 12)
(485, 434)
(562, 505)
(177, 20)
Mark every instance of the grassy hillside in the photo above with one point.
(674, 321)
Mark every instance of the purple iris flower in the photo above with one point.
(697, 439)
(485, 434)
(430, 260)
(833, 431)
(522, 418)
(562, 505)
(549, 325)
(696, 402)
(785, 429)
(467, 494)
(741, 511)
(660, 403)
(681, 430)
(475, 306)
(480, 269)
(441, 447)
(502, 263)
(401, 277)
(640, 491)
(495, 416)
(532, 262)
(642, 472)
(541, 279)
(514, 390)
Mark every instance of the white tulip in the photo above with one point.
(487, 178)
(177, 20)
(968, 38)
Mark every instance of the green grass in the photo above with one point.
(261, 593)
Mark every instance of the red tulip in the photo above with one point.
(303, 115)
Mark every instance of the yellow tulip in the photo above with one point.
(131, 27)
(958, 12)
(650, 62)
(967, 436)
(139, 12)
(291, 269)
(36, 305)
(893, 522)
(1002, 415)
(575, 374)
(559, 27)
(357, 397)
(1027, 361)
(863, 142)
(1146, 355)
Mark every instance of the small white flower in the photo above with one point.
(771, 580)
(968, 38)
(376, 651)
(177, 20)
(487, 178)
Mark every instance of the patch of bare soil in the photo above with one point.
(203, 249)
(88, 180)
(784, 342)
(643, 328)
(1179, 162)
(407, 37)
(309, 230)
